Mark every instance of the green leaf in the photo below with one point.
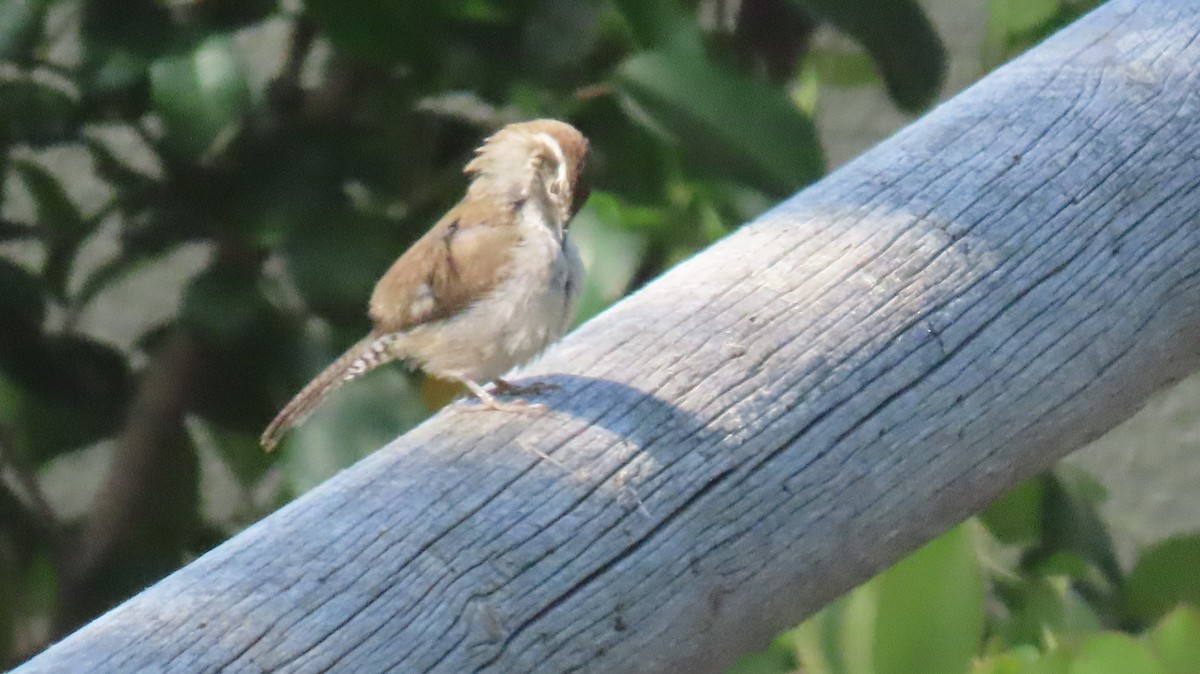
(15, 231)
(22, 302)
(1063, 564)
(813, 643)
(142, 27)
(654, 23)
(34, 113)
(107, 274)
(610, 253)
(20, 28)
(778, 658)
(148, 237)
(633, 162)
(9, 573)
(232, 14)
(1114, 654)
(1176, 641)
(60, 221)
(120, 38)
(114, 82)
(240, 452)
(55, 210)
(1022, 660)
(728, 123)
(900, 40)
(249, 343)
(840, 638)
(387, 32)
(1054, 662)
(27, 587)
(222, 305)
(1072, 522)
(1010, 18)
(923, 615)
(336, 263)
(843, 68)
(858, 621)
(1040, 605)
(1014, 25)
(1016, 517)
(115, 170)
(1166, 575)
(64, 392)
(558, 36)
(201, 96)
(930, 609)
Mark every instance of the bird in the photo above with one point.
(489, 286)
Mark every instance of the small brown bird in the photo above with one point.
(489, 286)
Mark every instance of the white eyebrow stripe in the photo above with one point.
(556, 149)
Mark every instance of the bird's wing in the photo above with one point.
(463, 257)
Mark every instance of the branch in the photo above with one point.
(285, 91)
(766, 425)
(143, 452)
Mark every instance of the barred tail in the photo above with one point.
(358, 360)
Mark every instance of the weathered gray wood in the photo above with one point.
(768, 424)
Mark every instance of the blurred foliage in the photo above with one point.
(295, 149)
(1030, 587)
(1015, 25)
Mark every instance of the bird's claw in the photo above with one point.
(503, 387)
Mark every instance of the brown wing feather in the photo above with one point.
(464, 256)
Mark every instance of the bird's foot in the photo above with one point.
(488, 401)
(503, 387)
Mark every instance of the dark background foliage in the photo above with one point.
(277, 156)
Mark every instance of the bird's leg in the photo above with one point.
(504, 387)
(489, 402)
